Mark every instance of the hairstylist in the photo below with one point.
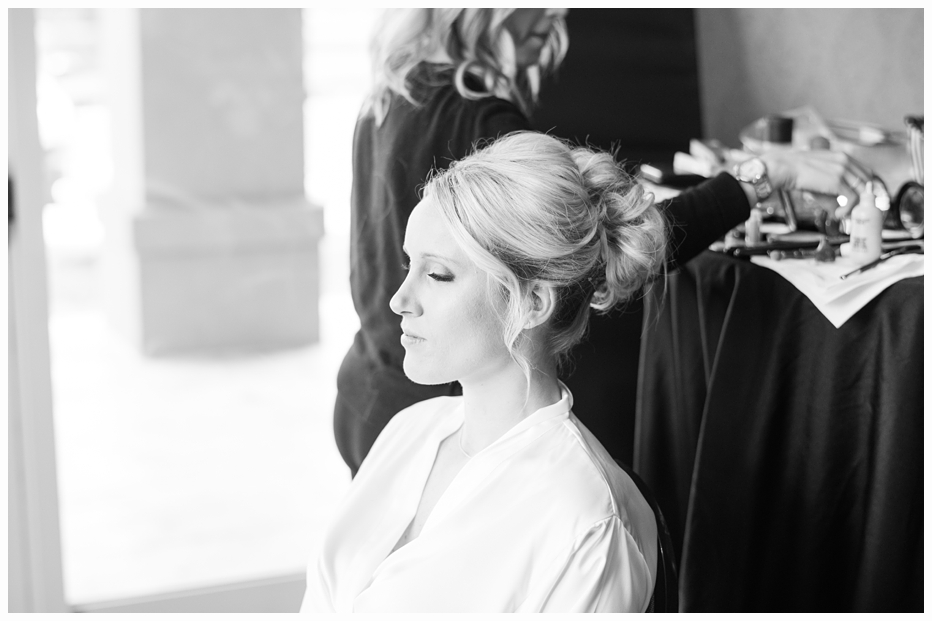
(444, 79)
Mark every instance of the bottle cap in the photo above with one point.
(867, 197)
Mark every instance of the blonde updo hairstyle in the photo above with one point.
(474, 39)
(530, 208)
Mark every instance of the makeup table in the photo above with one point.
(785, 453)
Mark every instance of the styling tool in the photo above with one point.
(909, 249)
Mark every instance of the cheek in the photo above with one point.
(485, 321)
(472, 332)
(471, 326)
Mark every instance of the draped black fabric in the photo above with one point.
(786, 454)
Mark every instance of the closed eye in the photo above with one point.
(439, 277)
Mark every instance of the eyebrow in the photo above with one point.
(434, 256)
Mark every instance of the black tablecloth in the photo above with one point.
(786, 454)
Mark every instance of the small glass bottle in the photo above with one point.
(866, 229)
(752, 228)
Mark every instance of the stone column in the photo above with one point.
(211, 244)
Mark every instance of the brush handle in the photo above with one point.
(893, 252)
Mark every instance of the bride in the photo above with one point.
(500, 500)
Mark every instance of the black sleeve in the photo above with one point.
(475, 124)
(504, 118)
(497, 117)
(703, 214)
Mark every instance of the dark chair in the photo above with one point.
(666, 590)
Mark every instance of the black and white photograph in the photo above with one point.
(355, 309)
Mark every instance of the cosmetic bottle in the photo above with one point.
(752, 228)
(866, 229)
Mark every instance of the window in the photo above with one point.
(186, 471)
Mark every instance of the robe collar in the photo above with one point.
(540, 419)
(467, 482)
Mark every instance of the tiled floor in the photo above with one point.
(178, 473)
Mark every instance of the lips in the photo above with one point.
(409, 339)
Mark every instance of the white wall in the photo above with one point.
(855, 64)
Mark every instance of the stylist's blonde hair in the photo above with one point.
(476, 42)
(529, 209)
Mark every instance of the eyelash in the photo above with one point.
(439, 277)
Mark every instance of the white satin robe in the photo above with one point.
(542, 520)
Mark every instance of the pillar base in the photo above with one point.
(224, 279)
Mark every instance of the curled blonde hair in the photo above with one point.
(530, 209)
(474, 39)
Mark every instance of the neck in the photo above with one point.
(492, 406)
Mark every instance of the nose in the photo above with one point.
(403, 302)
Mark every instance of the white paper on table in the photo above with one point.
(839, 299)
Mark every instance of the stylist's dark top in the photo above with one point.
(391, 162)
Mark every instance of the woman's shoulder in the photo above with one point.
(489, 110)
(607, 479)
(578, 471)
(585, 474)
(445, 115)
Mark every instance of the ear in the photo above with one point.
(543, 302)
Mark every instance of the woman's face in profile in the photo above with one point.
(530, 28)
(451, 329)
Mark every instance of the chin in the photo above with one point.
(423, 376)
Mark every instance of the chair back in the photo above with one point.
(666, 588)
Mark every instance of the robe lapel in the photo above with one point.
(399, 510)
(471, 479)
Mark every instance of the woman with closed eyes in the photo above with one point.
(501, 500)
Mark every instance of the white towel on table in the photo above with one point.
(839, 299)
